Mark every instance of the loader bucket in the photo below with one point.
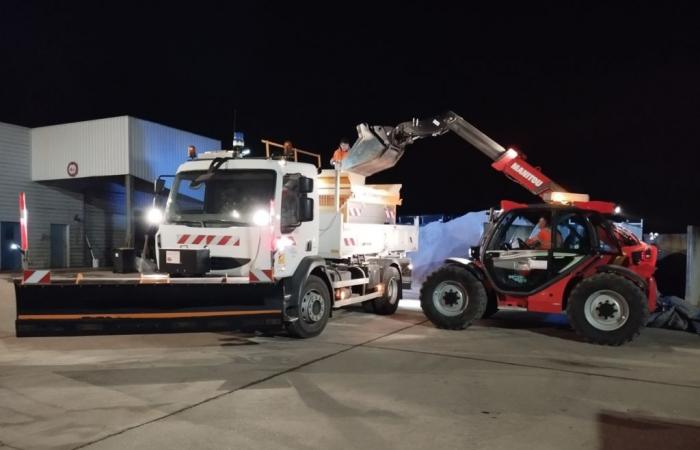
(130, 307)
(372, 152)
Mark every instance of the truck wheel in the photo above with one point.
(453, 298)
(314, 309)
(607, 309)
(389, 302)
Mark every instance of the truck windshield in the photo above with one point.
(228, 198)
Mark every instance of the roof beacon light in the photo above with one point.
(618, 210)
(565, 198)
(238, 139)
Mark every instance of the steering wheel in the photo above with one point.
(522, 244)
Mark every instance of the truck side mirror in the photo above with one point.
(306, 209)
(158, 186)
(306, 185)
(474, 252)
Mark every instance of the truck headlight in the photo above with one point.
(154, 216)
(261, 218)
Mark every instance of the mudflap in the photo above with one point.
(117, 308)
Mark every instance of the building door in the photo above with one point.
(10, 257)
(59, 245)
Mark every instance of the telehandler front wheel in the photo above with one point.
(453, 298)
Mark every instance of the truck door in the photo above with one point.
(518, 256)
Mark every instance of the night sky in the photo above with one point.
(606, 100)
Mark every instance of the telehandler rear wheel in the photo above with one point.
(314, 309)
(453, 298)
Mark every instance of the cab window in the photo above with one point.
(290, 202)
(572, 233)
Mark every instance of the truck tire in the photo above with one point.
(314, 309)
(389, 301)
(607, 309)
(453, 298)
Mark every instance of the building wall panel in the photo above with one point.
(98, 147)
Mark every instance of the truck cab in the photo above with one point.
(236, 217)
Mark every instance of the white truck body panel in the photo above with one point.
(340, 239)
(332, 235)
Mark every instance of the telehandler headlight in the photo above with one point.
(154, 216)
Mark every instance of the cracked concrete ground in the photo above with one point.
(367, 382)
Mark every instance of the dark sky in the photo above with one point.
(605, 99)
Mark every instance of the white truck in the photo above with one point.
(247, 243)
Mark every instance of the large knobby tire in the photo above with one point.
(453, 298)
(314, 309)
(389, 301)
(607, 309)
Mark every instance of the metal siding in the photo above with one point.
(105, 217)
(158, 150)
(99, 147)
(46, 204)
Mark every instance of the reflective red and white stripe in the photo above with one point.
(36, 277)
(354, 212)
(24, 238)
(260, 276)
(389, 214)
(208, 239)
(349, 241)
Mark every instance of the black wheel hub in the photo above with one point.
(451, 298)
(606, 310)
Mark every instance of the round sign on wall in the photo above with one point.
(72, 169)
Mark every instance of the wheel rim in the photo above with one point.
(392, 290)
(450, 298)
(607, 310)
(312, 306)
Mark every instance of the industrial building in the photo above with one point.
(84, 182)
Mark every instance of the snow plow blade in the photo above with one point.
(65, 309)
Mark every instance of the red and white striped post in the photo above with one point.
(24, 236)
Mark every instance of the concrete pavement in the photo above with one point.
(367, 382)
